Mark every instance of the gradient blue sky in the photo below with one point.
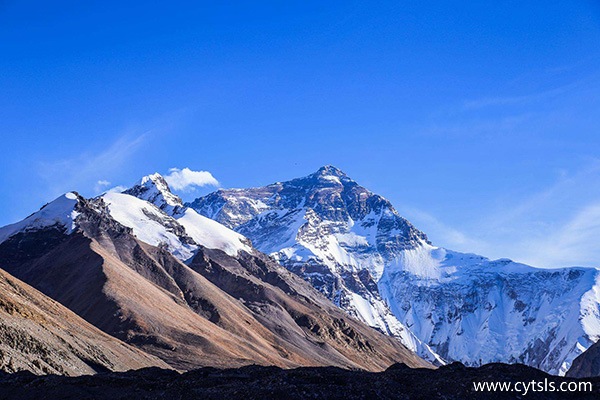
(478, 120)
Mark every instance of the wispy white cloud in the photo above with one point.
(101, 185)
(439, 232)
(570, 191)
(517, 99)
(185, 179)
(501, 115)
(82, 170)
(117, 189)
(558, 226)
(551, 226)
(477, 127)
(572, 243)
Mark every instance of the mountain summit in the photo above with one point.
(329, 172)
(331, 231)
(353, 246)
(155, 189)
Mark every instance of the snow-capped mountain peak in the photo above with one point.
(353, 246)
(331, 170)
(331, 231)
(331, 174)
(326, 217)
(158, 216)
(60, 213)
(155, 189)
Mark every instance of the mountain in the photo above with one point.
(332, 232)
(201, 230)
(587, 364)
(354, 247)
(477, 310)
(183, 287)
(39, 335)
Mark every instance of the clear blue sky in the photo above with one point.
(479, 120)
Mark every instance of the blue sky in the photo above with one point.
(480, 122)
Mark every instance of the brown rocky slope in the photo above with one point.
(39, 335)
(587, 364)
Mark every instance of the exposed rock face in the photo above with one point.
(587, 364)
(354, 247)
(39, 335)
(218, 311)
(452, 382)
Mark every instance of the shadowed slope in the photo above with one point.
(587, 364)
(38, 334)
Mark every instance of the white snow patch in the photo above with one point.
(135, 214)
(211, 234)
(331, 178)
(61, 212)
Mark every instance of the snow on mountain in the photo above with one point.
(353, 246)
(329, 230)
(211, 234)
(472, 309)
(150, 224)
(215, 310)
(60, 213)
(155, 189)
(157, 216)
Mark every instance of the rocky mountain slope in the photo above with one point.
(118, 262)
(587, 364)
(354, 247)
(39, 335)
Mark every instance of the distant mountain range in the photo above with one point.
(315, 271)
(182, 288)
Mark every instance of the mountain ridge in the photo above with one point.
(323, 228)
(139, 289)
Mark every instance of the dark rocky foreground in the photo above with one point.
(254, 382)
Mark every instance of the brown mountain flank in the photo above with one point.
(39, 335)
